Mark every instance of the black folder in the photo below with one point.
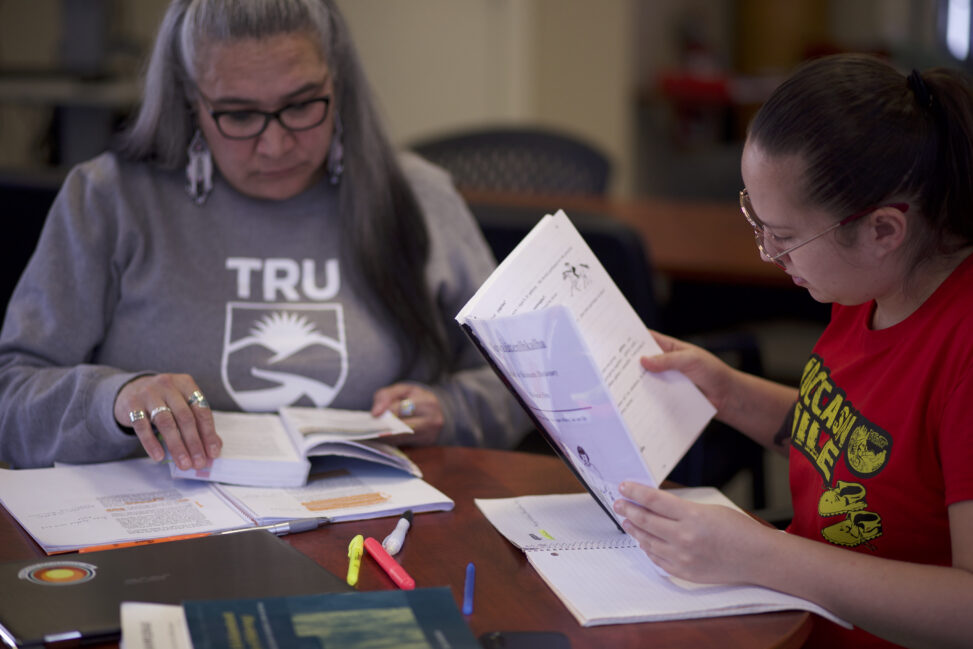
(74, 599)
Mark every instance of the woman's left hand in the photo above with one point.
(702, 543)
(417, 407)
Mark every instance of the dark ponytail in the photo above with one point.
(950, 186)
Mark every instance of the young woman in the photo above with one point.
(859, 185)
(255, 244)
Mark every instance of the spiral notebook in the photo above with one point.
(603, 577)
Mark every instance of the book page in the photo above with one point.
(312, 426)
(664, 413)
(370, 451)
(257, 450)
(254, 436)
(341, 489)
(70, 507)
(546, 360)
(558, 521)
(620, 585)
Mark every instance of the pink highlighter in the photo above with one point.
(391, 567)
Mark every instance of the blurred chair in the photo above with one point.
(721, 452)
(519, 160)
(24, 203)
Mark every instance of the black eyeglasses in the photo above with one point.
(246, 124)
(760, 231)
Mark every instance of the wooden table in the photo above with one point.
(688, 240)
(509, 593)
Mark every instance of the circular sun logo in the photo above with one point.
(58, 573)
(867, 451)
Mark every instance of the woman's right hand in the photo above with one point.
(711, 375)
(182, 417)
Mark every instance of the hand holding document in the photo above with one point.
(560, 333)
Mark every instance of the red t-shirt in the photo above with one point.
(881, 437)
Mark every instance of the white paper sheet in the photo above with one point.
(272, 449)
(341, 489)
(70, 507)
(335, 425)
(603, 577)
(553, 266)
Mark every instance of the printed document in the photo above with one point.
(69, 507)
(564, 338)
(66, 508)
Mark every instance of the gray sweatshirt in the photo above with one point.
(248, 296)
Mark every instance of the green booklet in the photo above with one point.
(410, 619)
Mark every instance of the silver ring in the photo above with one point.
(197, 399)
(407, 408)
(156, 411)
(136, 415)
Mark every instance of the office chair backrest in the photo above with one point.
(618, 247)
(24, 203)
(519, 160)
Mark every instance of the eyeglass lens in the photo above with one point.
(243, 124)
(752, 220)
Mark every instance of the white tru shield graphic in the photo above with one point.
(284, 354)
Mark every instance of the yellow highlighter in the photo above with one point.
(355, 550)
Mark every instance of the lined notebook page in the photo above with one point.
(553, 522)
(615, 586)
(570, 520)
(603, 577)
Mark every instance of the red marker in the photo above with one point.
(392, 568)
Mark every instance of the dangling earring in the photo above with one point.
(199, 169)
(336, 153)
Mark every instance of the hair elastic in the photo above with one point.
(919, 88)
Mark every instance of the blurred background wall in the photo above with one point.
(664, 87)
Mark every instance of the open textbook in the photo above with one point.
(603, 577)
(273, 450)
(564, 339)
(67, 508)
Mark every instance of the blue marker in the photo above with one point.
(468, 589)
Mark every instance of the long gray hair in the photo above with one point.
(382, 225)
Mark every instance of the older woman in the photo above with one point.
(253, 243)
